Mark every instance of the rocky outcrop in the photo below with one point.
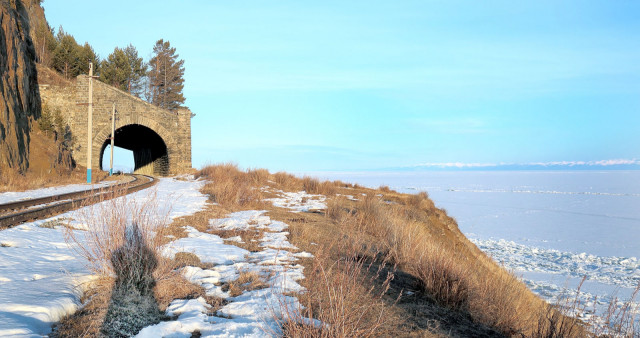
(19, 95)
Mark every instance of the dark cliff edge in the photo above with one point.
(19, 94)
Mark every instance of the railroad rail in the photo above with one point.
(14, 213)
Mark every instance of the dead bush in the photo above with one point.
(229, 186)
(501, 301)
(287, 181)
(345, 296)
(415, 200)
(442, 277)
(385, 189)
(259, 177)
(247, 281)
(336, 208)
(123, 242)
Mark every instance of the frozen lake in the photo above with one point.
(550, 227)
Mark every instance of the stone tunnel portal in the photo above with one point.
(150, 154)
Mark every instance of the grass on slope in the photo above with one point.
(385, 264)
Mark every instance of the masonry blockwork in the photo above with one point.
(149, 149)
(173, 128)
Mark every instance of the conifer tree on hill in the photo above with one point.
(124, 70)
(69, 58)
(166, 77)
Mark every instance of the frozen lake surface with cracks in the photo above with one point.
(550, 227)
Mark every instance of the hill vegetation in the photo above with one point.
(385, 264)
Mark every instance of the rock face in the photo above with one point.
(19, 93)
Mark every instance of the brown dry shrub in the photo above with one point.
(247, 281)
(229, 186)
(346, 295)
(182, 259)
(118, 224)
(503, 302)
(259, 177)
(336, 208)
(371, 214)
(123, 242)
(311, 185)
(416, 200)
(218, 170)
(443, 277)
(341, 184)
(287, 181)
(552, 323)
(385, 189)
(175, 287)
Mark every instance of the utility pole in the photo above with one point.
(90, 126)
(113, 135)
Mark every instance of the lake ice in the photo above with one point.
(550, 227)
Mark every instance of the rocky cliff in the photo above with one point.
(19, 95)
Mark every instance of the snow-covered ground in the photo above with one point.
(552, 227)
(41, 276)
(7, 197)
(252, 313)
(300, 201)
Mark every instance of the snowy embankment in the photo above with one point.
(252, 313)
(42, 277)
(10, 196)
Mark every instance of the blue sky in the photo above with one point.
(364, 85)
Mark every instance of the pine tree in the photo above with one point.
(124, 70)
(65, 56)
(86, 54)
(135, 81)
(166, 76)
(71, 59)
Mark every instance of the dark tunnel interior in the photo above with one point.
(149, 150)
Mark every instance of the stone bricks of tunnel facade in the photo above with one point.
(173, 127)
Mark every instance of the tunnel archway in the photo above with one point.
(150, 153)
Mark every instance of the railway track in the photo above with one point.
(14, 213)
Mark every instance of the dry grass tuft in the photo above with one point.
(231, 187)
(176, 287)
(182, 259)
(247, 281)
(420, 201)
(442, 277)
(345, 295)
(336, 210)
(287, 181)
(310, 185)
(259, 177)
(385, 189)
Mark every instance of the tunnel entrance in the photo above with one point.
(150, 154)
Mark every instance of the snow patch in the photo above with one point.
(297, 201)
(251, 313)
